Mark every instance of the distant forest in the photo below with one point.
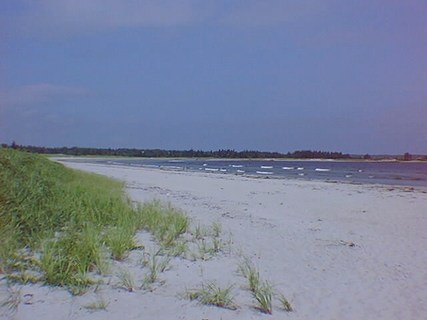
(159, 153)
(222, 153)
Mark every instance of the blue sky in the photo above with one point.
(276, 75)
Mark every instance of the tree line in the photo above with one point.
(160, 153)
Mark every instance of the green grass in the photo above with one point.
(250, 272)
(286, 305)
(126, 280)
(165, 222)
(156, 264)
(263, 295)
(65, 223)
(211, 294)
(261, 291)
(99, 304)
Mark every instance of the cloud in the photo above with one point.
(274, 12)
(64, 17)
(59, 17)
(28, 96)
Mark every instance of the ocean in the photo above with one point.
(388, 172)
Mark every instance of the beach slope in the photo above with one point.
(336, 251)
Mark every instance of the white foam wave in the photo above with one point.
(322, 170)
(237, 166)
(266, 167)
(211, 169)
(241, 171)
(223, 170)
(300, 168)
(264, 172)
(288, 168)
(173, 168)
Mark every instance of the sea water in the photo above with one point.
(378, 172)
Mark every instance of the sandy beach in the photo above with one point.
(336, 251)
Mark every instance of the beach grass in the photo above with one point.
(211, 294)
(263, 295)
(9, 301)
(248, 270)
(99, 304)
(286, 305)
(126, 280)
(262, 291)
(65, 223)
(164, 221)
(156, 264)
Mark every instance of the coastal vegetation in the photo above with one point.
(211, 294)
(262, 290)
(57, 225)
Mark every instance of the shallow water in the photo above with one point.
(390, 173)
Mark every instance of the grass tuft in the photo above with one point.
(250, 272)
(9, 301)
(165, 222)
(126, 280)
(286, 305)
(99, 304)
(211, 294)
(263, 295)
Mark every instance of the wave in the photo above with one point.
(301, 174)
(135, 165)
(322, 170)
(172, 168)
(264, 172)
(266, 167)
(236, 166)
(223, 170)
(241, 171)
(288, 168)
(211, 169)
(300, 168)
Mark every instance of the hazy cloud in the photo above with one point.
(274, 12)
(63, 17)
(53, 17)
(27, 96)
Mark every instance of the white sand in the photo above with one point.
(299, 235)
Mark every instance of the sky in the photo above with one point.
(270, 75)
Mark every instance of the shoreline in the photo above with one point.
(337, 251)
(405, 187)
(67, 157)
